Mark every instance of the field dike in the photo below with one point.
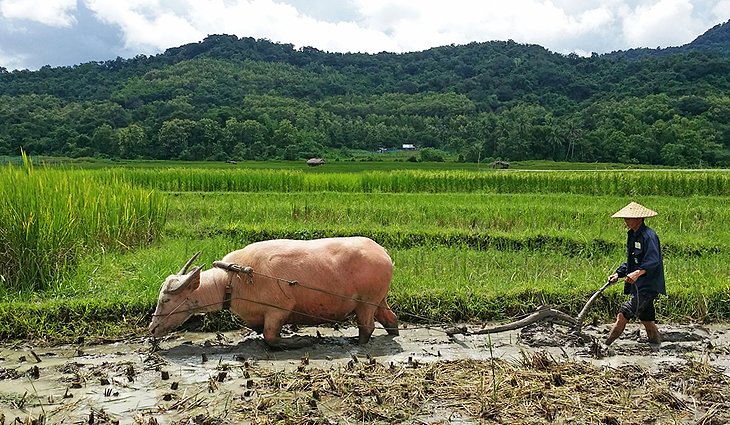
(539, 374)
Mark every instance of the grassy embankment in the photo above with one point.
(467, 245)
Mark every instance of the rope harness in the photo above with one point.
(229, 286)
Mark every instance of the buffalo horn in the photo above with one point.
(177, 287)
(190, 261)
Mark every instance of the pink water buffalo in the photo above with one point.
(275, 282)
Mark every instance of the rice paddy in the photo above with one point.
(80, 249)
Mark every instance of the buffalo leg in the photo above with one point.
(385, 316)
(365, 317)
(272, 335)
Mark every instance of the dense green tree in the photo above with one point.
(132, 142)
(430, 155)
(206, 142)
(103, 141)
(6, 147)
(175, 137)
(240, 137)
(285, 135)
(229, 97)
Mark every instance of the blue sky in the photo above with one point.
(34, 33)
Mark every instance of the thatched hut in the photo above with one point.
(500, 164)
(313, 162)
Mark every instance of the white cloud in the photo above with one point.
(259, 19)
(416, 26)
(662, 24)
(154, 25)
(146, 24)
(56, 13)
(581, 26)
(383, 25)
(722, 10)
(12, 61)
(406, 25)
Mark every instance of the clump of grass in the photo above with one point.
(49, 217)
(68, 319)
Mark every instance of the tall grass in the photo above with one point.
(635, 183)
(49, 217)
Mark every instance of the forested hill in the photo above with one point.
(716, 39)
(231, 98)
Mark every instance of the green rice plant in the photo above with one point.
(207, 180)
(615, 183)
(49, 217)
(67, 319)
(573, 224)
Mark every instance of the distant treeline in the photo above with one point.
(231, 98)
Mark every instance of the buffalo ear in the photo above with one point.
(192, 278)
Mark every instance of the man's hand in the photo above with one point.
(634, 276)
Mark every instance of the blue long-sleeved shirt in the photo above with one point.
(643, 251)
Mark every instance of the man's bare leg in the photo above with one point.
(652, 332)
(618, 328)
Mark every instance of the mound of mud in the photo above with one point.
(546, 334)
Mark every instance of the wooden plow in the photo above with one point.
(546, 313)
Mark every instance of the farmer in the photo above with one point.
(643, 272)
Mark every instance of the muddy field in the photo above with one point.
(539, 374)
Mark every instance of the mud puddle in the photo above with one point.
(204, 378)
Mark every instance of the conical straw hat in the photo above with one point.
(634, 210)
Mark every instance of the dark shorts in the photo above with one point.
(640, 305)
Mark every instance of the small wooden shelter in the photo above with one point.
(313, 162)
(500, 164)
